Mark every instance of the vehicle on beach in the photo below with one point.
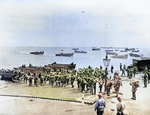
(37, 53)
(134, 55)
(121, 56)
(77, 51)
(6, 74)
(65, 54)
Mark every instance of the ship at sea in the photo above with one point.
(65, 54)
(77, 51)
(37, 53)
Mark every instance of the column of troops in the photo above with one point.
(86, 79)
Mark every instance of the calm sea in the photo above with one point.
(16, 56)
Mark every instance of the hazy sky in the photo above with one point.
(75, 23)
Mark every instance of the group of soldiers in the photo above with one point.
(86, 79)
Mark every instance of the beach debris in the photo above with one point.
(31, 100)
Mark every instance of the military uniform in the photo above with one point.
(101, 82)
(135, 85)
(72, 80)
(145, 80)
(30, 81)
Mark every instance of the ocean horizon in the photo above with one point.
(16, 56)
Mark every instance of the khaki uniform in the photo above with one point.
(135, 85)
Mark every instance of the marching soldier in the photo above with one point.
(72, 80)
(135, 85)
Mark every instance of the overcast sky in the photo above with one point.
(75, 23)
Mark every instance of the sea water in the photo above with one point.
(17, 56)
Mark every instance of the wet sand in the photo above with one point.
(32, 106)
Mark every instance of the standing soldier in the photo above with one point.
(127, 72)
(112, 69)
(149, 76)
(123, 70)
(101, 82)
(134, 70)
(130, 74)
(108, 87)
(117, 86)
(145, 77)
(120, 66)
(30, 80)
(25, 78)
(135, 85)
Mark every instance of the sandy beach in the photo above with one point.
(32, 106)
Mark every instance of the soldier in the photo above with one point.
(112, 69)
(134, 70)
(34, 77)
(123, 70)
(108, 87)
(94, 85)
(52, 80)
(59, 79)
(64, 80)
(78, 82)
(91, 83)
(30, 81)
(127, 72)
(120, 66)
(145, 77)
(67, 79)
(101, 82)
(135, 85)
(72, 80)
(149, 76)
(130, 73)
(83, 83)
(25, 78)
(42, 81)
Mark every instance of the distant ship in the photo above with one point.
(96, 49)
(76, 51)
(65, 54)
(37, 53)
(121, 56)
(75, 48)
(134, 55)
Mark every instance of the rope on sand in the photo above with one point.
(89, 103)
